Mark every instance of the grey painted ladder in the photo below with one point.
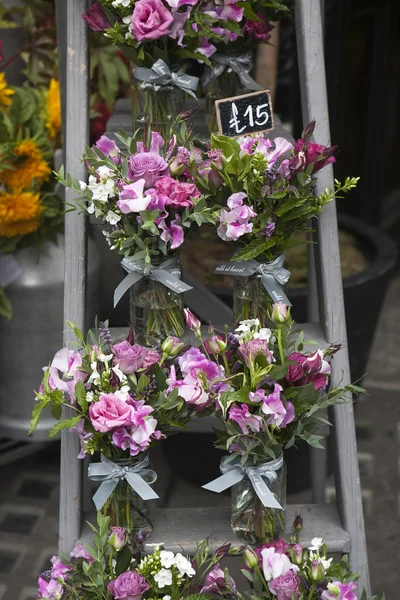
(342, 526)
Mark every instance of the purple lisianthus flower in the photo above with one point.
(79, 551)
(285, 587)
(245, 419)
(51, 590)
(313, 368)
(215, 157)
(149, 166)
(128, 586)
(251, 349)
(132, 198)
(215, 582)
(235, 222)
(95, 18)
(180, 160)
(84, 436)
(132, 357)
(172, 233)
(340, 591)
(150, 20)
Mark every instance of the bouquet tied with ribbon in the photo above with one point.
(269, 392)
(146, 197)
(113, 396)
(265, 192)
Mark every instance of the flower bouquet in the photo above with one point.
(271, 392)
(266, 190)
(108, 568)
(147, 197)
(284, 570)
(31, 212)
(117, 405)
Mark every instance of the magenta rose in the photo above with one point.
(109, 412)
(128, 586)
(131, 358)
(285, 587)
(148, 166)
(150, 20)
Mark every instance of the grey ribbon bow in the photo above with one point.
(273, 275)
(233, 472)
(160, 75)
(111, 474)
(241, 65)
(168, 273)
(9, 270)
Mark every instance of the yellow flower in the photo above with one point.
(30, 166)
(53, 109)
(5, 92)
(19, 213)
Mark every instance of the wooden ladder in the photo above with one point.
(341, 525)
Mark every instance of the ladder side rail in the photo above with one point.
(332, 315)
(75, 51)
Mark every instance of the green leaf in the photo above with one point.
(142, 383)
(254, 249)
(37, 410)
(56, 410)
(64, 424)
(226, 399)
(80, 395)
(5, 305)
(124, 558)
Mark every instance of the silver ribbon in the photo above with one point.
(168, 273)
(9, 270)
(241, 65)
(233, 472)
(273, 275)
(160, 75)
(111, 474)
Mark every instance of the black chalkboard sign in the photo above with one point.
(242, 115)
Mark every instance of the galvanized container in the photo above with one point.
(32, 337)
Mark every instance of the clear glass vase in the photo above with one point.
(156, 311)
(251, 300)
(125, 507)
(154, 109)
(251, 521)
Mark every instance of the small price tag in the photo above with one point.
(242, 115)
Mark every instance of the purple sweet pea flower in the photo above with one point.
(172, 233)
(340, 591)
(109, 412)
(59, 570)
(132, 198)
(84, 436)
(136, 439)
(268, 230)
(79, 551)
(282, 147)
(235, 223)
(178, 3)
(285, 587)
(177, 31)
(128, 586)
(227, 34)
(51, 590)
(206, 48)
(149, 166)
(260, 30)
(107, 146)
(193, 361)
(315, 154)
(313, 368)
(95, 18)
(280, 415)
(225, 10)
(150, 20)
(156, 143)
(215, 582)
(245, 419)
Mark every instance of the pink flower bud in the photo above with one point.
(280, 312)
(117, 539)
(171, 346)
(297, 554)
(308, 131)
(191, 321)
(317, 571)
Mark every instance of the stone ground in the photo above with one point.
(29, 487)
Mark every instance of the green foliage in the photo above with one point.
(5, 305)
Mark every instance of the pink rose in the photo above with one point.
(150, 20)
(109, 412)
(179, 194)
(128, 586)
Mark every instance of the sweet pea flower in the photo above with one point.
(128, 586)
(109, 413)
(206, 48)
(280, 415)
(79, 551)
(215, 582)
(172, 233)
(107, 146)
(84, 437)
(260, 30)
(51, 590)
(149, 166)
(315, 154)
(59, 570)
(156, 143)
(150, 20)
(235, 222)
(95, 18)
(245, 419)
(340, 591)
(313, 368)
(275, 564)
(177, 31)
(285, 587)
(225, 10)
(193, 393)
(132, 198)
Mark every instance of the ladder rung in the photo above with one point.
(183, 528)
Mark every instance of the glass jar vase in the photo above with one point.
(154, 109)
(124, 506)
(251, 300)
(251, 521)
(156, 311)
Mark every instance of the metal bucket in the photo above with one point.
(35, 333)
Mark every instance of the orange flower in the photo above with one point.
(5, 92)
(30, 166)
(53, 109)
(19, 213)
